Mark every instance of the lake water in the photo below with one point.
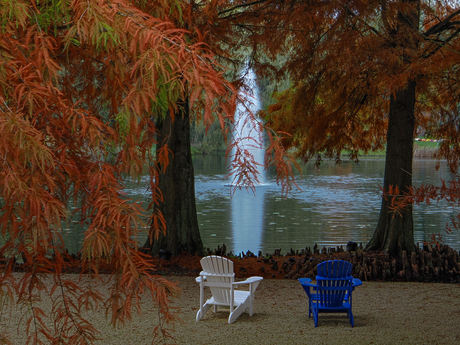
(336, 203)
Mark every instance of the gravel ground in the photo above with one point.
(385, 313)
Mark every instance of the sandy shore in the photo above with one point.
(385, 313)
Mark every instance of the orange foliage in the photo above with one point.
(81, 85)
(428, 194)
(345, 60)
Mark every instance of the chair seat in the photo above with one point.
(239, 298)
(338, 309)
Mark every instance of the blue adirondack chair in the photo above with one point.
(332, 292)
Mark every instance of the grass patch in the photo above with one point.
(346, 154)
(422, 149)
(426, 144)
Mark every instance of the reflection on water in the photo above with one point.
(337, 203)
(247, 221)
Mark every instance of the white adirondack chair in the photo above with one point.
(218, 275)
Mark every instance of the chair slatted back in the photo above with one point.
(219, 277)
(334, 279)
(331, 291)
(334, 269)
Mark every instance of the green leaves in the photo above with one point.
(13, 14)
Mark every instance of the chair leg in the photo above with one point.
(251, 307)
(238, 311)
(315, 316)
(202, 312)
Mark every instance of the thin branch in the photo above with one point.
(68, 312)
(440, 27)
(240, 6)
(442, 44)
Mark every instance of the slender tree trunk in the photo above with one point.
(395, 232)
(177, 184)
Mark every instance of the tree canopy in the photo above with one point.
(346, 60)
(84, 84)
(81, 82)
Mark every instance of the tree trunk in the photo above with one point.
(177, 184)
(395, 232)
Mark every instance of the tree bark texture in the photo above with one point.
(395, 231)
(177, 184)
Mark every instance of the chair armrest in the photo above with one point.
(356, 282)
(198, 279)
(306, 282)
(249, 281)
(201, 276)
